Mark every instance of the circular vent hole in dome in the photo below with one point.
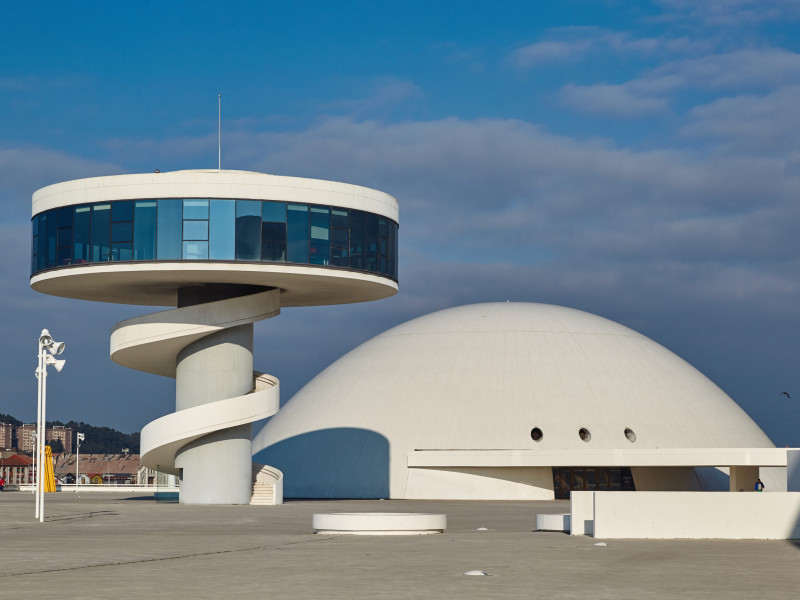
(536, 434)
(584, 434)
(630, 434)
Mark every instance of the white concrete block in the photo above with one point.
(553, 522)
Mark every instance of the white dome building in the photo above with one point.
(504, 401)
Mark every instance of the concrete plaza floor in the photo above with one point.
(112, 545)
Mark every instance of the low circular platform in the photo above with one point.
(379, 523)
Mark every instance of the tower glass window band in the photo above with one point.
(174, 229)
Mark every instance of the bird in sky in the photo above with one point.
(786, 394)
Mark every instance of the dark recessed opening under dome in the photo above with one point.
(536, 434)
(584, 434)
(630, 434)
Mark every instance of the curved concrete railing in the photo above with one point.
(162, 438)
(154, 344)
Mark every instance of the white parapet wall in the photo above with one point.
(693, 515)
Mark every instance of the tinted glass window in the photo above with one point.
(65, 216)
(297, 233)
(121, 251)
(248, 230)
(195, 250)
(195, 230)
(339, 218)
(122, 232)
(52, 239)
(34, 242)
(273, 252)
(320, 235)
(273, 242)
(122, 210)
(144, 230)
(64, 252)
(274, 212)
(357, 239)
(371, 242)
(195, 209)
(273, 232)
(340, 257)
(169, 230)
(101, 232)
(41, 255)
(81, 234)
(222, 230)
(340, 238)
(393, 248)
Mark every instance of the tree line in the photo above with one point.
(99, 440)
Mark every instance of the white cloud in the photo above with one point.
(613, 100)
(575, 43)
(749, 123)
(652, 93)
(381, 94)
(25, 169)
(728, 13)
(549, 51)
(742, 69)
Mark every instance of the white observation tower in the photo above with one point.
(227, 249)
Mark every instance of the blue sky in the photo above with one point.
(638, 162)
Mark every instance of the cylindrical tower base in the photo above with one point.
(216, 468)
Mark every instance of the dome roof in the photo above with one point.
(483, 376)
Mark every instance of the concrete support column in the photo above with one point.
(743, 478)
(216, 468)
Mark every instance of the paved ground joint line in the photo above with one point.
(164, 558)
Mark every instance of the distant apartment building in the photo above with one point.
(26, 434)
(59, 432)
(6, 436)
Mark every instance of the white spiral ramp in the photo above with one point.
(207, 348)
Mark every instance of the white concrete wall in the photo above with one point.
(500, 483)
(581, 509)
(696, 515)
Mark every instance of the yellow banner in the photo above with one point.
(49, 472)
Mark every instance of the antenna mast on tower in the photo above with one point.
(219, 131)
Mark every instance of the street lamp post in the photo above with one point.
(48, 350)
(33, 465)
(81, 437)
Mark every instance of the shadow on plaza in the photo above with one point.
(341, 462)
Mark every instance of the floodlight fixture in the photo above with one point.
(58, 364)
(45, 339)
(56, 348)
